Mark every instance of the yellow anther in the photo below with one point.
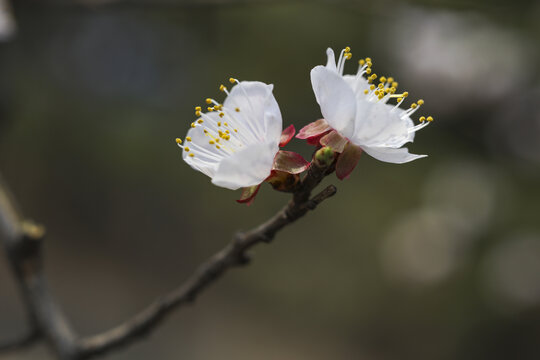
(387, 90)
(232, 80)
(210, 109)
(369, 63)
(198, 108)
(376, 92)
(235, 130)
(368, 59)
(211, 142)
(368, 71)
(382, 79)
(208, 101)
(390, 80)
(222, 87)
(237, 109)
(414, 106)
(192, 155)
(400, 99)
(380, 86)
(381, 95)
(372, 87)
(218, 147)
(348, 56)
(193, 125)
(366, 91)
(420, 102)
(347, 49)
(221, 114)
(227, 132)
(226, 124)
(200, 121)
(394, 84)
(198, 113)
(178, 140)
(393, 89)
(217, 140)
(228, 137)
(205, 131)
(422, 118)
(219, 124)
(220, 133)
(186, 148)
(429, 118)
(188, 138)
(373, 76)
(216, 107)
(405, 94)
(361, 62)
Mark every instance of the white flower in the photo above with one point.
(358, 110)
(235, 143)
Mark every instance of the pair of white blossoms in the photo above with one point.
(237, 143)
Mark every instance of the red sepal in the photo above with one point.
(334, 141)
(287, 135)
(316, 140)
(313, 129)
(248, 194)
(347, 161)
(289, 162)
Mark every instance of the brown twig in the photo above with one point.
(23, 239)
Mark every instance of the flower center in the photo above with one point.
(227, 132)
(383, 91)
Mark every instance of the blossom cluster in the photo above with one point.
(238, 143)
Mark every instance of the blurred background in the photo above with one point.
(435, 259)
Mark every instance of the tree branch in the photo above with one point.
(23, 246)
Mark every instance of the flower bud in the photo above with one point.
(324, 156)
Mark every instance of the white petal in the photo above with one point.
(390, 155)
(273, 122)
(331, 62)
(251, 97)
(357, 83)
(376, 126)
(247, 167)
(206, 157)
(336, 98)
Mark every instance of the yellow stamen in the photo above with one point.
(178, 140)
(420, 102)
(186, 148)
(198, 108)
(210, 109)
(222, 87)
(208, 101)
(192, 155)
(193, 125)
(429, 118)
(232, 80)
(188, 138)
(221, 114)
(200, 121)
(422, 118)
(198, 113)
(237, 109)
(414, 106)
